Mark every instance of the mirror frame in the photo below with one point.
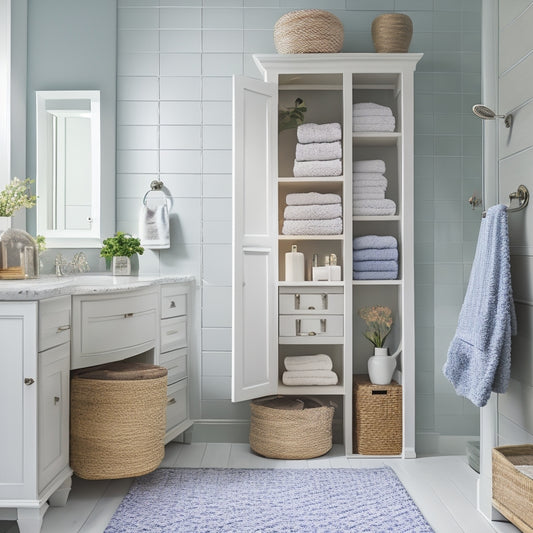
(91, 238)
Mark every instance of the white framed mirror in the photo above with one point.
(69, 169)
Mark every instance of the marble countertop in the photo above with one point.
(50, 286)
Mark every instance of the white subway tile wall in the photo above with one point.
(176, 59)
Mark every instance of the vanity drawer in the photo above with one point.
(311, 301)
(176, 404)
(175, 362)
(173, 301)
(54, 322)
(311, 326)
(173, 333)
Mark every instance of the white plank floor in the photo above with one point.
(444, 488)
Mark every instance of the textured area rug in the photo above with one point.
(220, 500)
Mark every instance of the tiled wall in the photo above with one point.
(175, 62)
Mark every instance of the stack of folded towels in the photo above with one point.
(319, 150)
(372, 117)
(312, 213)
(375, 257)
(309, 370)
(369, 186)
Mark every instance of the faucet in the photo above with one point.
(78, 265)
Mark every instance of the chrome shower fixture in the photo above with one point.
(486, 113)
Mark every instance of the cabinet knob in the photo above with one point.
(29, 381)
(56, 399)
(172, 304)
(128, 315)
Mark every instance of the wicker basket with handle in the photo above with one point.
(392, 32)
(308, 31)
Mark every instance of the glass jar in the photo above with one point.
(19, 255)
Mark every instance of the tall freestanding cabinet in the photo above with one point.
(273, 317)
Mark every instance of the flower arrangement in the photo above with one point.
(121, 245)
(15, 195)
(378, 322)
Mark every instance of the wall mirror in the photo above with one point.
(69, 168)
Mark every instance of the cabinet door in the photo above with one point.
(254, 371)
(54, 373)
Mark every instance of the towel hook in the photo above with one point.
(522, 195)
(155, 185)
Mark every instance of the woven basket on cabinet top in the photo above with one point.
(308, 31)
(392, 32)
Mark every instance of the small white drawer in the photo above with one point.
(310, 301)
(173, 301)
(311, 326)
(54, 322)
(175, 362)
(177, 408)
(173, 333)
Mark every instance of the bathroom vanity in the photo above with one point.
(49, 326)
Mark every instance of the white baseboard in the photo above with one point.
(226, 430)
(429, 443)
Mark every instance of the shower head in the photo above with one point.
(486, 113)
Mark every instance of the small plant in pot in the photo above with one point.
(119, 249)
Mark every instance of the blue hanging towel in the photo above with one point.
(479, 356)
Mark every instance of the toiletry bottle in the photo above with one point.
(334, 269)
(294, 265)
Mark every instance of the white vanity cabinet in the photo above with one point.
(274, 317)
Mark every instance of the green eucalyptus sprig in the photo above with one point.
(291, 117)
(15, 195)
(121, 244)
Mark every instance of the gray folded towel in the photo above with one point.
(332, 167)
(319, 133)
(369, 165)
(312, 212)
(331, 226)
(312, 198)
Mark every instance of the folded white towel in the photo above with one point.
(368, 108)
(378, 242)
(380, 181)
(310, 377)
(378, 194)
(333, 167)
(319, 133)
(312, 212)
(318, 151)
(369, 189)
(356, 175)
(312, 198)
(374, 207)
(154, 226)
(332, 226)
(320, 361)
(374, 120)
(369, 165)
(373, 127)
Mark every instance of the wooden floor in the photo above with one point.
(444, 488)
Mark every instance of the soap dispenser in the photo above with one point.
(294, 265)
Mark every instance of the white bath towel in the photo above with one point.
(374, 207)
(154, 226)
(376, 194)
(310, 377)
(368, 108)
(319, 133)
(374, 120)
(378, 181)
(369, 165)
(378, 242)
(368, 190)
(356, 175)
(332, 226)
(319, 361)
(312, 212)
(386, 128)
(312, 198)
(318, 151)
(333, 167)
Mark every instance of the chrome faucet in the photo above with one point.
(78, 265)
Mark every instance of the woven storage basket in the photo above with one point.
(392, 32)
(512, 491)
(308, 31)
(378, 417)
(282, 429)
(117, 420)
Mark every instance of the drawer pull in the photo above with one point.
(29, 381)
(325, 300)
(323, 325)
(63, 328)
(128, 315)
(311, 333)
(171, 401)
(172, 304)
(172, 332)
(311, 308)
(296, 301)
(56, 400)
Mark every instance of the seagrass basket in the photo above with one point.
(392, 32)
(117, 420)
(377, 428)
(308, 31)
(512, 491)
(282, 428)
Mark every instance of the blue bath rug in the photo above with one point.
(219, 500)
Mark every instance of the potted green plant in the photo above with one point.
(119, 249)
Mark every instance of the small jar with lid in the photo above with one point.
(19, 255)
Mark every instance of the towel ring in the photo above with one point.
(157, 185)
(521, 194)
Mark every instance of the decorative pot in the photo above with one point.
(121, 265)
(5, 224)
(381, 366)
(392, 32)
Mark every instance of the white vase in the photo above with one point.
(121, 265)
(5, 224)
(381, 366)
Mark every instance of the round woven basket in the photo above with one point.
(281, 431)
(117, 420)
(308, 31)
(392, 32)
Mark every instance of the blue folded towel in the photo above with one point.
(374, 266)
(376, 254)
(479, 356)
(374, 241)
(392, 274)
